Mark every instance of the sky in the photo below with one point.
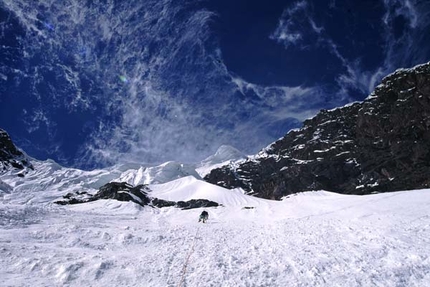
(96, 83)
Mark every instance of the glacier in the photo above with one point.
(315, 238)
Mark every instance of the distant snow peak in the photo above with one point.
(225, 155)
(165, 172)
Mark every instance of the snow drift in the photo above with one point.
(309, 239)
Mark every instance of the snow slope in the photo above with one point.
(56, 180)
(159, 174)
(225, 155)
(310, 239)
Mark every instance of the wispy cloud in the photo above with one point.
(402, 22)
(137, 80)
(282, 103)
(156, 91)
(37, 118)
(317, 29)
(406, 42)
(297, 23)
(405, 8)
(355, 77)
(287, 32)
(297, 26)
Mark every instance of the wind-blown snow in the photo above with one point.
(310, 239)
(159, 174)
(224, 155)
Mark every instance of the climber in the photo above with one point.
(204, 216)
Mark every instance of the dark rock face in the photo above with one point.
(379, 145)
(10, 156)
(123, 191)
(190, 204)
(196, 203)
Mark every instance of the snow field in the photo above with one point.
(309, 239)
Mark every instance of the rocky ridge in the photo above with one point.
(139, 194)
(10, 155)
(378, 145)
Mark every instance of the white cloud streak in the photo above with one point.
(129, 72)
(168, 102)
(399, 50)
(286, 32)
(405, 47)
(282, 102)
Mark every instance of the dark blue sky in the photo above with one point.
(91, 84)
(244, 27)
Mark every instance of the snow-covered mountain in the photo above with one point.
(310, 239)
(25, 176)
(158, 174)
(223, 156)
(173, 170)
(10, 156)
(379, 145)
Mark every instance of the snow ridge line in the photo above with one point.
(184, 268)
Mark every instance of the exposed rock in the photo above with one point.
(10, 155)
(123, 191)
(379, 145)
(190, 204)
(196, 203)
(162, 203)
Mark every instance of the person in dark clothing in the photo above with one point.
(204, 216)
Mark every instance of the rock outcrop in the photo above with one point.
(10, 155)
(123, 191)
(379, 145)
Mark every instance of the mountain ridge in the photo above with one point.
(10, 155)
(378, 145)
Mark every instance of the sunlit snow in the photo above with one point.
(309, 239)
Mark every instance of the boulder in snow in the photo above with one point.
(123, 191)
